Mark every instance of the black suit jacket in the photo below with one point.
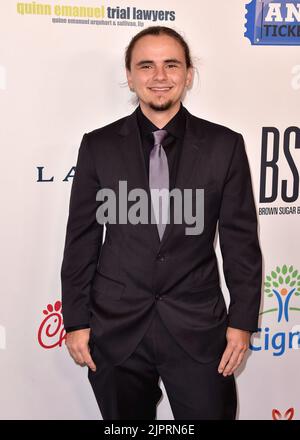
(116, 286)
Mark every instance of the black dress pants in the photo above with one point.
(130, 390)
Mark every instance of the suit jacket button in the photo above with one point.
(158, 296)
(160, 257)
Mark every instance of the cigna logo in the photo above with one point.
(51, 331)
(282, 288)
(283, 283)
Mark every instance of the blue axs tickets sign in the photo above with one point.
(273, 22)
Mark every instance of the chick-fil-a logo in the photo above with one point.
(288, 415)
(51, 332)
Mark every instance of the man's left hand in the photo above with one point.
(237, 345)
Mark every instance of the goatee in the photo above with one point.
(161, 107)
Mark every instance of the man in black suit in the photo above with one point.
(140, 305)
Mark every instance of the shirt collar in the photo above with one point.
(175, 126)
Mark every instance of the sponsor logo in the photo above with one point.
(273, 23)
(51, 332)
(288, 415)
(278, 152)
(98, 16)
(282, 288)
(283, 284)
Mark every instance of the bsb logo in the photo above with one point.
(273, 23)
(273, 145)
(51, 332)
(282, 288)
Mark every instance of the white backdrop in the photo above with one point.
(60, 80)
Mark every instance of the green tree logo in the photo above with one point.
(283, 283)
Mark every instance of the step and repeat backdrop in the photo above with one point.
(62, 74)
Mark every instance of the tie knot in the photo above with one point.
(159, 136)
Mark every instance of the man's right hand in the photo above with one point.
(77, 343)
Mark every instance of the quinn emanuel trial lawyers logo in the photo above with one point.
(282, 288)
(273, 23)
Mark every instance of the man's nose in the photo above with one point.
(160, 73)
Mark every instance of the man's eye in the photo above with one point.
(146, 67)
(172, 65)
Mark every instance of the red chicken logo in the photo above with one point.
(288, 415)
(51, 332)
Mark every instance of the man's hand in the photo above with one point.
(237, 345)
(77, 344)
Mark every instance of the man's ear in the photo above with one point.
(189, 78)
(129, 79)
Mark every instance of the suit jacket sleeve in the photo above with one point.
(242, 259)
(82, 243)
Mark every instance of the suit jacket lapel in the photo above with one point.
(133, 159)
(188, 164)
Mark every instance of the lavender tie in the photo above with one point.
(159, 179)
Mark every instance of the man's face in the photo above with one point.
(158, 72)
